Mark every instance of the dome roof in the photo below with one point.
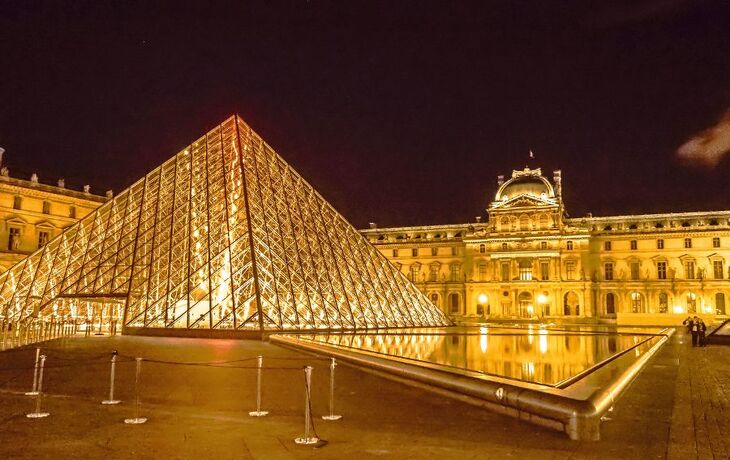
(528, 184)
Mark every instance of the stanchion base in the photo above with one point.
(258, 413)
(331, 417)
(108, 402)
(37, 414)
(135, 421)
(306, 441)
(31, 393)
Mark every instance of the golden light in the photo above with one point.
(542, 298)
(483, 299)
(678, 309)
(530, 309)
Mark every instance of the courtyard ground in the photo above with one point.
(679, 407)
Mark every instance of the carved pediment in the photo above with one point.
(524, 201)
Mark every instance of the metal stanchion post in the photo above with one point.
(5, 333)
(332, 415)
(136, 420)
(111, 399)
(39, 396)
(258, 412)
(34, 391)
(307, 439)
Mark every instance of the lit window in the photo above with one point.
(660, 244)
(570, 270)
(17, 202)
(434, 251)
(46, 207)
(43, 238)
(688, 243)
(414, 252)
(661, 270)
(689, 270)
(718, 269)
(544, 270)
(395, 253)
(636, 303)
(13, 239)
(632, 243)
(482, 248)
(608, 272)
(716, 242)
(634, 271)
(663, 302)
(543, 244)
(569, 245)
(607, 245)
(525, 271)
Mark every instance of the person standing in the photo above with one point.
(702, 329)
(695, 331)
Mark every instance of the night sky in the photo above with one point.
(398, 112)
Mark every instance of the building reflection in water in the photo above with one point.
(534, 354)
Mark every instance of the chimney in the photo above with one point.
(62, 183)
(109, 194)
(373, 225)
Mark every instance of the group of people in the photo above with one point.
(697, 328)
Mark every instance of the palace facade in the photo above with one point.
(33, 213)
(529, 260)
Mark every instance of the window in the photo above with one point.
(433, 272)
(453, 303)
(505, 246)
(544, 270)
(43, 238)
(525, 273)
(718, 269)
(607, 245)
(689, 270)
(716, 242)
(395, 253)
(454, 251)
(46, 207)
(455, 272)
(635, 270)
(17, 202)
(661, 270)
(660, 244)
(543, 244)
(414, 252)
(570, 270)
(482, 248)
(13, 239)
(663, 302)
(720, 303)
(636, 303)
(72, 212)
(435, 299)
(434, 251)
(688, 243)
(608, 271)
(482, 271)
(691, 302)
(632, 244)
(569, 245)
(610, 304)
(415, 270)
(504, 267)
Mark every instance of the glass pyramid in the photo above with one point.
(224, 235)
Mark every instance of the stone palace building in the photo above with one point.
(33, 213)
(528, 260)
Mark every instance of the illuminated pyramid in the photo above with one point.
(224, 235)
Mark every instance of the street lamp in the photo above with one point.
(542, 300)
(482, 300)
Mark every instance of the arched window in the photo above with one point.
(544, 221)
(454, 303)
(637, 303)
(571, 304)
(524, 222)
(610, 304)
(691, 302)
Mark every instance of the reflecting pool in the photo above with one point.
(540, 354)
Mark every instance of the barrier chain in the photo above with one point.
(39, 394)
(111, 399)
(136, 420)
(258, 412)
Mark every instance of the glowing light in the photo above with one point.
(678, 309)
(542, 298)
(543, 341)
(530, 310)
(483, 299)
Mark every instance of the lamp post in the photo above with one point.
(482, 300)
(542, 300)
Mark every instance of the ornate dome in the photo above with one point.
(527, 182)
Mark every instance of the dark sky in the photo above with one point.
(397, 112)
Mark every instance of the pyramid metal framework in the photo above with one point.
(224, 235)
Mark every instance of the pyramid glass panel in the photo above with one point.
(224, 235)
